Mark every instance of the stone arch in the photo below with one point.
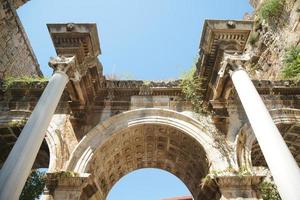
(59, 151)
(54, 143)
(288, 122)
(175, 136)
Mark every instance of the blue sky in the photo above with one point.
(140, 39)
(148, 184)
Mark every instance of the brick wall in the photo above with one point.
(16, 55)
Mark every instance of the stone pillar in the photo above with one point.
(283, 166)
(21, 158)
(235, 187)
(64, 186)
(69, 186)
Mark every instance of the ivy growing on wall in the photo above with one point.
(271, 10)
(253, 38)
(291, 61)
(269, 191)
(191, 88)
(11, 81)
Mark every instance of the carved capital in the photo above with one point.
(235, 187)
(66, 185)
(232, 62)
(67, 65)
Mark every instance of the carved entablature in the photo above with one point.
(137, 84)
(72, 39)
(118, 84)
(81, 42)
(136, 87)
(219, 36)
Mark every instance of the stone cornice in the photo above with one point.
(137, 84)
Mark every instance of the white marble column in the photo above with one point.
(282, 165)
(18, 165)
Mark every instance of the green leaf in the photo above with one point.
(34, 186)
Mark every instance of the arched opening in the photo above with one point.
(287, 122)
(149, 138)
(148, 184)
(291, 135)
(151, 146)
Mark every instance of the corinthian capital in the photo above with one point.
(67, 65)
(236, 58)
(232, 62)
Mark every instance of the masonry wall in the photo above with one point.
(16, 55)
(273, 40)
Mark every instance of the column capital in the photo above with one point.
(66, 65)
(65, 185)
(232, 62)
(236, 187)
(236, 181)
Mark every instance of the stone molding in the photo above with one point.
(239, 187)
(238, 181)
(74, 39)
(61, 140)
(137, 84)
(65, 185)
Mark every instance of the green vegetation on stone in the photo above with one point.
(253, 38)
(62, 174)
(291, 69)
(269, 191)
(34, 186)
(271, 10)
(191, 88)
(11, 81)
(17, 123)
